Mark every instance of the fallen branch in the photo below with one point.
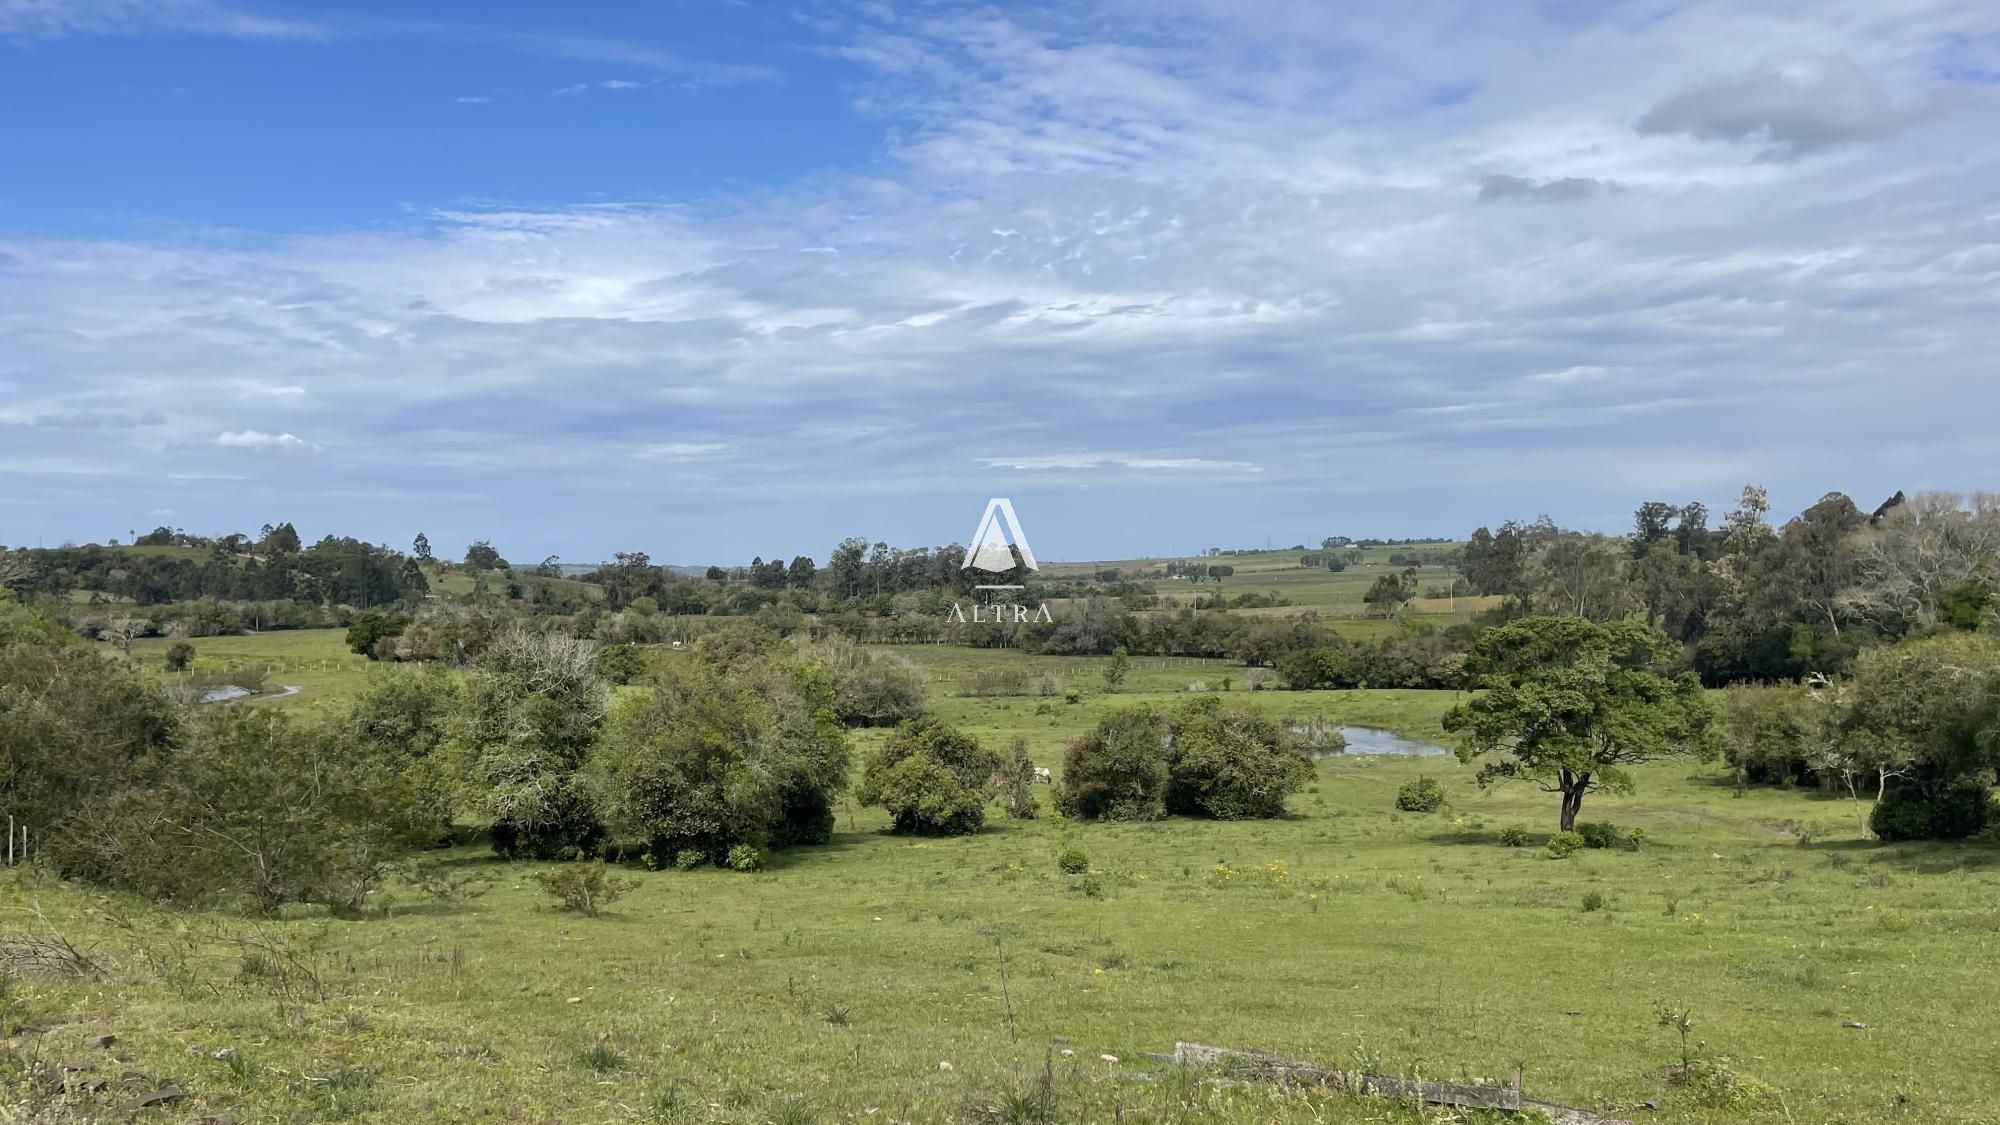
(1256, 1064)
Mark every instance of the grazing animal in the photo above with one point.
(1043, 776)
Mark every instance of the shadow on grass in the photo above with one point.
(1476, 837)
(1924, 857)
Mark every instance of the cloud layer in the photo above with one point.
(1153, 266)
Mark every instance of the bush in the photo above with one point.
(732, 747)
(1119, 770)
(1593, 901)
(1562, 845)
(931, 777)
(586, 888)
(689, 859)
(1072, 861)
(743, 857)
(1016, 781)
(875, 691)
(180, 656)
(1425, 794)
(620, 664)
(566, 826)
(1230, 763)
(1634, 838)
(1514, 836)
(1598, 834)
(1908, 812)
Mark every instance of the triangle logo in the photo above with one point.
(989, 549)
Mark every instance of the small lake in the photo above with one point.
(1372, 740)
(227, 692)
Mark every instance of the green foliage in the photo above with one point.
(738, 745)
(874, 691)
(1230, 763)
(1599, 834)
(1072, 861)
(1571, 704)
(620, 664)
(74, 728)
(1016, 781)
(931, 777)
(367, 630)
(1117, 669)
(1562, 845)
(1119, 770)
(688, 859)
(1593, 901)
(745, 857)
(1514, 836)
(1425, 794)
(585, 888)
(1910, 811)
(250, 807)
(530, 717)
(405, 719)
(180, 656)
(1929, 711)
(1965, 605)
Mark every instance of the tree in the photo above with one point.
(1117, 771)
(1116, 670)
(801, 573)
(367, 629)
(1230, 763)
(1916, 553)
(180, 656)
(1570, 704)
(550, 567)
(931, 777)
(530, 716)
(483, 556)
(726, 750)
(421, 548)
(280, 540)
(1928, 713)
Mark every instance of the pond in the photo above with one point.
(1373, 740)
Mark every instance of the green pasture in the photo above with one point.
(838, 984)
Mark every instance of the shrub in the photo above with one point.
(1072, 695)
(875, 691)
(737, 746)
(566, 826)
(1593, 901)
(1425, 794)
(931, 777)
(1562, 845)
(1598, 834)
(1119, 770)
(180, 655)
(743, 857)
(1072, 861)
(1514, 836)
(1909, 812)
(1016, 781)
(689, 859)
(620, 664)
(1635, 838)
(586, 888)
(304, 816)
(1230, 763)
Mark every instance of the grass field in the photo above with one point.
(835, 985)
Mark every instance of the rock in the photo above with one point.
(1649, 1104)
(218, 1119)
(224, 1055)
(944, 1065)
(1573, 1012)
(574, 1000)
(1856, 1024)
(1067, 1053)
(100, 1042)
(94, 1086)
(1058, 1038)
(165, 1095)
(1109, 1058)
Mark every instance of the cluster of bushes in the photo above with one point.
(1425, 794)
(932, 778)
(1202, 758)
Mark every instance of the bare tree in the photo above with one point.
(1918, 550)
(124, 631)
(15, 569)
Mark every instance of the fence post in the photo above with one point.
(10, 840)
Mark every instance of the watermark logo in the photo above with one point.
(994, 549)
(990, 543)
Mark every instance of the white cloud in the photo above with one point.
(1799, 106)
(259, 440)
(57, 19)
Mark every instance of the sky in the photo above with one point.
(721, 278)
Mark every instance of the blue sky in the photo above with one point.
(715, 280)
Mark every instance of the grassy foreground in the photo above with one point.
(838, 985)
